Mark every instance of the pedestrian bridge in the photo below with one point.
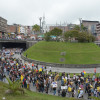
(16, 43)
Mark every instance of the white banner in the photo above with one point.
(54, 84)
(63, 87)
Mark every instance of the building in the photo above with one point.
(46, 28)
(22, 29)
(28, 30)
(11, 29)
(98, 28)
(3, 26)
(98, 31)
(63, 28)
(71, 26)
(91, 26)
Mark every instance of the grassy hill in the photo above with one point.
(76, 53)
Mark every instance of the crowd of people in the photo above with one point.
(44, 80)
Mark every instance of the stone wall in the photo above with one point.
(61, 65)
(30, 43)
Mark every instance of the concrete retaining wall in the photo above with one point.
(61, 65)
(30, 43)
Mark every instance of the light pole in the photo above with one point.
(80, 19)
(40, 23)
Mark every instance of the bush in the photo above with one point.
(85, 37)
(14, 86)
(80, 36)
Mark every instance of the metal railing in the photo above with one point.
(9, 39)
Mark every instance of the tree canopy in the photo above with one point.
(83, 28)
(36, 28)
(56, 32)
(77, 27)
(47, 36)
(80, 36)
(71, 34)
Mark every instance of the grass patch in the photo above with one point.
(76, 53)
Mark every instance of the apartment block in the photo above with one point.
(91, 26)
(3, 26)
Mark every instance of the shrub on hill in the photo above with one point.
(14, 86)
(80, 36)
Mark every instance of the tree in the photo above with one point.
(56, 32)
(80, 36)
(83, 28)
(47, 36)
(36, 28)
(71, 34)
(85, 37)
(77, 27)
(90, 38)
(67, 35)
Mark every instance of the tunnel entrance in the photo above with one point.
(14, 45)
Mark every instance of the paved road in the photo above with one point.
(67, 70)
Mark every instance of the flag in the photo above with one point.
(21, 77)
(40, 70)
(23, 67)
(84, 72)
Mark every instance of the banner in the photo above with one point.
(54, 84)
(63, 87)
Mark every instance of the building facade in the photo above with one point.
(22, 29)
(3, 26)
(98, 31)
(46, 28)
(28, 30)
(11, 29)
(91, 26)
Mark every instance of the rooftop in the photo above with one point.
(90, 21)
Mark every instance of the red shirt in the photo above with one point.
(95, 70)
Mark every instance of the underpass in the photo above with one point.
(25, 44)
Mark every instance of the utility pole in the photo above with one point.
(40, 23)
(80, 19)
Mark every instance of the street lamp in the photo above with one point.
(40, 23)
(80, 19)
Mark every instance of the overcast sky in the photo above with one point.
(27, 12)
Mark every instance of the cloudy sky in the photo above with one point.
(27, 12)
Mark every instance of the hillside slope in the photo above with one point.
(76, 53)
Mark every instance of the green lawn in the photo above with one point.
(28, 95)
(76, 53)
